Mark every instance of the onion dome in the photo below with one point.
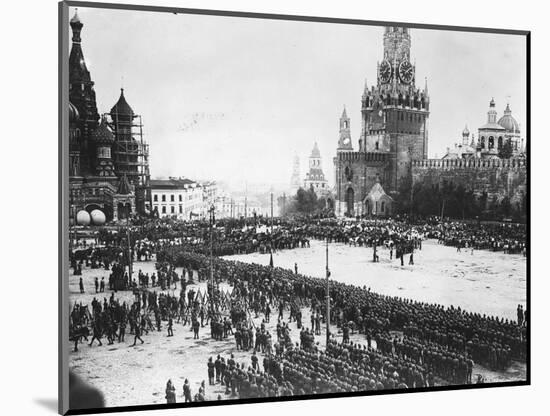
(122, 108)
(466, 132)
(103, 135)
(73, 113)
(315, 153)
(76, 18)
(508, 121)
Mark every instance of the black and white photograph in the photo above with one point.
(267, 208)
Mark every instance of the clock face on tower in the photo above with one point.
(385, 71)
(405, 72)
(346, 141)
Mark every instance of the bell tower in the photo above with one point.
(344, 142)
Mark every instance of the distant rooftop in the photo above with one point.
(173, 183)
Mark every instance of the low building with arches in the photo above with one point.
(377, 202)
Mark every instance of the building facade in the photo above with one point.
(177, 198)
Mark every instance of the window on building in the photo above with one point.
(180, 197)
(482, 142)
(163, 198)
(172, 198)
(382, 207)
(376, 145)
(155, 198)
(491, 142)
(172, 209)
(164, 210)
(499, 143)
(181, 208)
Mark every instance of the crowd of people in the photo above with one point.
(231, 236)
(409, 344)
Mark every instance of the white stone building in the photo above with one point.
(177, 197)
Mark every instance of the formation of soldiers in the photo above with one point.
(469, 333)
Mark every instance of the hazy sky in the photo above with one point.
(235, 98)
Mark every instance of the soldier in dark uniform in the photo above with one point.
(345, 330)
(218, 368)
(196, 326)
(96, 333)
(299, 318)
(187, 391)
(137, 334)
(238, 340)
(170, 392)
(102, 285)
(267, 312)
(81, 285)
(96, 282)
(211, 367)
(121, 329)
(170, 324)
(254, 361)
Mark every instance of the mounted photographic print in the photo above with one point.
(263, 207)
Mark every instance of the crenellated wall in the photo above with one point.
(497, 177)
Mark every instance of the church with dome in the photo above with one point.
(108, 158)
(495, 139)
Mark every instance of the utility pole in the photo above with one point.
(130, 259)
(328, 295)
(212, 220)
(271, 212)
(375, 232)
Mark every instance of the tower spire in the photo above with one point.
(76, 26)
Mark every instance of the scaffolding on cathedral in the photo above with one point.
(130, 150)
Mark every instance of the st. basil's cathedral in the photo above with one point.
(108, 158)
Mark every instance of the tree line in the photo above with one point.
(455, 201)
